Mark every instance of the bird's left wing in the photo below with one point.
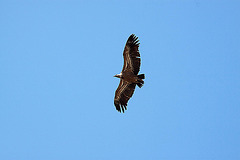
(131, 55)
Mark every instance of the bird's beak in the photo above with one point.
(115, 76)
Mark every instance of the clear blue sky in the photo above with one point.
(57, 61)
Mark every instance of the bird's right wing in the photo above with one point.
(123, 93)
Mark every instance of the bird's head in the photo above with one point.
(118, 75)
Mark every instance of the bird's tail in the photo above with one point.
(140, 80)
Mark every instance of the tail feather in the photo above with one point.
(140, 81)
(139, 85)
(142, 76)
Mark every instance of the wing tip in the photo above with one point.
(133, 40)
(120, 107)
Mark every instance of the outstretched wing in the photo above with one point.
(131, 55)
(123, 93)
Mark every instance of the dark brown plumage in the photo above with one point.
(129, 77)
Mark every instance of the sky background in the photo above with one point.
(58, 58)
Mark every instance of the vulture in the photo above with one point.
(129, 77)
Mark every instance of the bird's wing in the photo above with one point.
(131, 55)
(123, 93)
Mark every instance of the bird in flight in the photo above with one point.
(129, 77)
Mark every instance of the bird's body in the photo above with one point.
(129, 77)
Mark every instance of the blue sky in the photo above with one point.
(57, 61)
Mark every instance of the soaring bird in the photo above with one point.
(129, 77)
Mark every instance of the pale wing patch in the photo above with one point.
(129, 61)
(123, 86)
